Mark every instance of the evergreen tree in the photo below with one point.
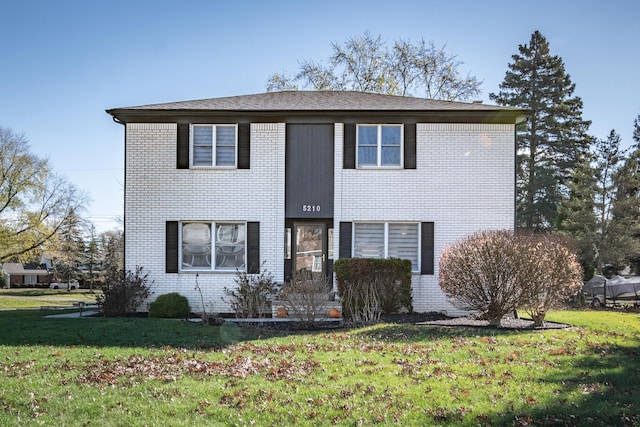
(609, 159)
(92, 255)
(112, 244)
(69, 250)
(553, 141)
(577, 216)
(625, 210)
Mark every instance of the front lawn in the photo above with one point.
(138, 371)
(17, 298)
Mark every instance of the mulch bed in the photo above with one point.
(508, 322)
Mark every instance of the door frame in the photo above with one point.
(291, 226)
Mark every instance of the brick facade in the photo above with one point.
(157, 192)
(463, 182)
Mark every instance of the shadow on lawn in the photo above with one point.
(597, 383)
(607, 377)
(30, 327)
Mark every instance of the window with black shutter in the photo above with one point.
(213, 146)
(378, 146)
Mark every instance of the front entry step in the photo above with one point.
(327, 311)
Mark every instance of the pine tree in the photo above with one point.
(577, 216)
(553, 141)
(625, 210)
(69, 250)
(92, 255)
(609, 161)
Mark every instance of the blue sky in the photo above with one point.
(63, 62)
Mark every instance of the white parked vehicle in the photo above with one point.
(69, 286)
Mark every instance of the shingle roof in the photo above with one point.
(319, 105)
(17, 268)
(318, 101)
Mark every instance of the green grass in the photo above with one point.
(36, 297)
(139, 371)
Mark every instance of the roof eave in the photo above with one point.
(124, 115)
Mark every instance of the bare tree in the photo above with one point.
(34, 202)
(368, 64)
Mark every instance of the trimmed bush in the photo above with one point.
(370, 287)
(172, 306)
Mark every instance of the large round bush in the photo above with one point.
(496, 272)
(171, 305)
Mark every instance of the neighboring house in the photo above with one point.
(293, 180)
(17, 274)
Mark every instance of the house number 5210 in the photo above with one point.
(310, 208)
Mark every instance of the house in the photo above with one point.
(289, 181)
(28, 274)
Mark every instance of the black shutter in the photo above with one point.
(349, 149)
(182, 153)
(253, 247)
(244, 145)
(428, 251)
(346, 231)
(171, 247)
(410, 146)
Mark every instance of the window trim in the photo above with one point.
(214, 127)
(379, 164)
(213, 236)
(414, 268)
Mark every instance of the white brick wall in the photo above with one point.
(464, 182)
(157, 192)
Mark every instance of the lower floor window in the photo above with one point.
(30, 279)
(213, 246)
(387, 240)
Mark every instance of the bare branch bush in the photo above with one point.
(307, 297)
(497, 272)
(557, 278)
(253, 294)
(482, 272)
(124, 292)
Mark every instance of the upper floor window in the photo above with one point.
(214, 145)
(379, 145)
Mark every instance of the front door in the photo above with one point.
(309, 248)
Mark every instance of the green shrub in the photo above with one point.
(371, 287)
(173, 306)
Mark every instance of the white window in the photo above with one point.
(387, 240)
(379, 145)
(30, 279)
(224, 249)
(214, 145)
